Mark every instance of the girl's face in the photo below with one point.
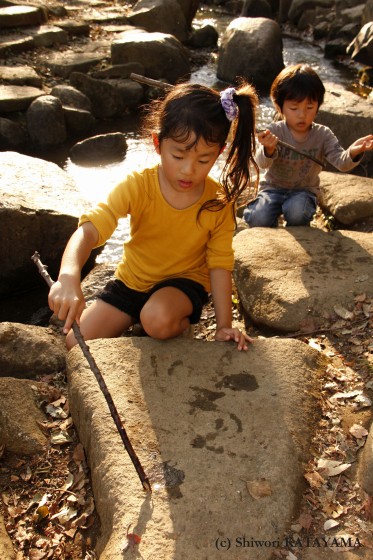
(183, 169)
(299, 115)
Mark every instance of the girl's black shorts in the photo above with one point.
(130, 301)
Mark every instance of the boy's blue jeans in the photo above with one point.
(298, 208)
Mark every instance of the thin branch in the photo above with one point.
(98, 375)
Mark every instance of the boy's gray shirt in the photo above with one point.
(288, 170)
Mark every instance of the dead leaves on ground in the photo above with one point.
(47, 501)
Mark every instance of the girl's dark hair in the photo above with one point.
(297, 82)
(194, 109)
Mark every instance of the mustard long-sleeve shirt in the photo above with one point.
(164, 242)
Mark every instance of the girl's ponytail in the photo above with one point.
(241, 171)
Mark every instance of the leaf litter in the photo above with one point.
(46, 499)
(49, 507)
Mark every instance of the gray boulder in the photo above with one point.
(206, 36)
(64, 64)
(14, 98)
(99, 150)
(211, 426)
(28, 351)
(161, 55)
(12, 135)
(298, 7)
(71, 97)
(20, 75)
(291, 279)
(105, 98)
(46, 122)
(78, 121)
(164, 16)
(39, 210)
(251, 48)
(256, 8)
(20, 432)
(346, 197)
(18, 16)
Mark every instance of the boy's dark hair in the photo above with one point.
(297, 82)
(196, 109)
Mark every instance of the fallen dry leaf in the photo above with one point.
(358, 431)
(259, 488)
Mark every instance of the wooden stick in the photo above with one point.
(290, 147)
(114, 413)
(150, 81)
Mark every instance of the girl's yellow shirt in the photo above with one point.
(164, 242)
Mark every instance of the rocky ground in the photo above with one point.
(47, 500)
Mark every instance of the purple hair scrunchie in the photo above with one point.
(230, 107)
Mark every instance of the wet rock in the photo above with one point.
(289, 279)
(28, 351)
(206, 36)
(20, 75)
(346, 197)
(105, 98)
(15, 98)
(12, 135)
(72, 97)
(361, 48)
(46, 122)
(164, 16)
(260, 40)
(101, 149)
(161, 55)
(298, 7)
(256, 8)
(65, 64)
(79, 122)
(39, 210)
(20, 415)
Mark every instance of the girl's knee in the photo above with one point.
(162, 325)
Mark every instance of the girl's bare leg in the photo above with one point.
(166, 313)
(100, 320)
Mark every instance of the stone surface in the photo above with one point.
(260, 40)
(20, 432)
(20, 75)
(290, 279)
(7, 551)
(15, 98)
(347, 197)
(164, 16)
(161, 55)
(27, 351)
(39, 210)
(206, 421)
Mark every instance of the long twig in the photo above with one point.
(165, 85)
(113, 410)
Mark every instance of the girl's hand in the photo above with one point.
(269, 141)
(66, 300)
(225, 334)
(361, 145)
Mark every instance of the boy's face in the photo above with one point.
(299, 115)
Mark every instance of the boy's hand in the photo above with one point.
(269, 141)
(361, 145)
(225, 334)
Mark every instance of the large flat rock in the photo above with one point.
(39, 210)
(291, 279)
(221, 434)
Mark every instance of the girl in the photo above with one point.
(182, 224)
(291, 181)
